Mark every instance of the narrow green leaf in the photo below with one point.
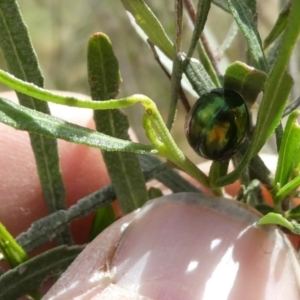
(258, 167)
(279, 26)
(152, 171)
(17, 49)
(104, 217)
(217, 170)
(29, 276)
(264, 208)
(246, 80)
(11, 250)
(277, 219)
(23, 118)
(221, 4)
(274, 218)
(154, 193)
(176, 77)
(272, 53)
(45, 229)
(203, 8)
(178, 25)
(46, 95)
(279, 134)
(272, 106)
(287, 190)
(22, 63)
(289, 149)
(198, 77)
(148, 22)
(208, 65)
(252, 6)
(294, 105)
(296, 165)
(123, 168)
(103, 70)
(294, 213)
(177, 69)
(229, 38)
(251, 193)
(169, 177)
(244, 19)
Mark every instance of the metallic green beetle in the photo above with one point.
(217, 124)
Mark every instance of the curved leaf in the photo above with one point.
(203, 8)
(169, 177)
(289, 149)
(13, 253)
(23, 118)
(29, 276)
(279, 26)
(104, 217)
(246, 80)
(22, 63)
(146, 19)
(45, 229)
(198, 77)
(123, 168)
(244, 19)
(277, 219)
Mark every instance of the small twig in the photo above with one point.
(295, 104)
(178, 25)
(177, 65)
(192, 14)
(182, 95)
(209, 52)
(190, 9)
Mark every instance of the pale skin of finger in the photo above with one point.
(91, 278)
(185, 247)
(83, 172)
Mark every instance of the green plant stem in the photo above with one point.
(11, 250)
(286, 49)
(168, 148)
(175, 87)
(178, 26)
(287, 189)
(45, 95)
(14, 254)
(207, 58)
(184, 100)
(177, 68)
(288, 150)
(211, 68)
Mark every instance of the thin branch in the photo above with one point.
(192, 14)
(182, 95)
(295, 104)
(178, 25)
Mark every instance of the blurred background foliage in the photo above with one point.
(60, 30)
